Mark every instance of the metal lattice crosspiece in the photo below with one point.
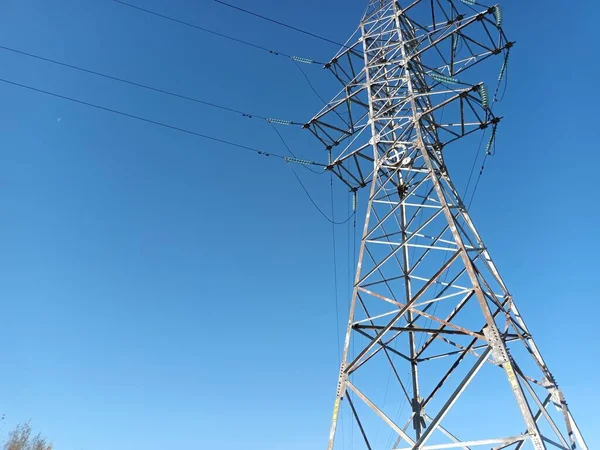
(436, 354)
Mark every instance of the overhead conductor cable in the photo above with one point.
(151, 88)
(164, 125)
(261, 16)
(222, 35)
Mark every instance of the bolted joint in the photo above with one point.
(402, 190)
(495, 341)
(341, 387)
(419, 413)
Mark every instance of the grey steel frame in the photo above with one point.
(386, 129)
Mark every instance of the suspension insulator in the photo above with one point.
(443, 78)
(483, 93)
(503, 68)
(279, 121)
(498, 15)
(302, 60)
(490, 144)
(305, 162)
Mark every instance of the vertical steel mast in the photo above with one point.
(436, 354)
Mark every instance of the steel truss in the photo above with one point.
(429, 309)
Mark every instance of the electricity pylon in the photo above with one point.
(436, 354)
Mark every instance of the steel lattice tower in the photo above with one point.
(434, 339)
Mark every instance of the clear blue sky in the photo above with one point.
(160, 291)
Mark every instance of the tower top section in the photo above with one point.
(453, 56)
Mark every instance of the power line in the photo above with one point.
(285, 144)
(161, 124)
(503, 75)
(312, 87)
(335, 279)
(150, 88)
(317, 206)
(216, 33)
(487, 153)
(280, 23)
(310, 84)
(478, 179)
(335, 286)
(477, 153)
